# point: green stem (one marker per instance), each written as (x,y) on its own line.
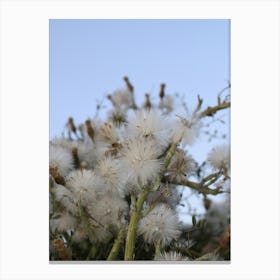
(136,214)
(117,243)
(92,253)
(131,232)
(157,250)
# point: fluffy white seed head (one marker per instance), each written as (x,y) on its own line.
(167,104)
(66,198)
(181,166)
(122,98)
(111,174)
(171,256)
(139,161)
(186,131)
(85,185)
(161,225)
(108,133)
(219,157)
(107,214)
(60,159)
(63,222)
(168,194)
(149,125)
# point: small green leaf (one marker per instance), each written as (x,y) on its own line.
(194,220)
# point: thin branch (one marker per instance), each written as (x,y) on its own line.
(202,186)
(116,247)
(210,111)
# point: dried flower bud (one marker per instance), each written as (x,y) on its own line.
(90,130)
(75,156)
(128,84)
(71,124)
(147,104)
(162,93)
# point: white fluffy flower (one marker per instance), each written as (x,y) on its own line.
(166,103)
(181,166)
(122,97)
(186,131)
(168,194)
(171,256)
(85,185)
(61,159)
(150,125)
(108,133)
(161,225)
(219,157)
(109,171)
(139,161)
(107,214)
(63,222)
(65,197)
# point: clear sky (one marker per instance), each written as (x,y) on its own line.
(88,58)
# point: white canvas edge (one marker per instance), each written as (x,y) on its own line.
(254,131)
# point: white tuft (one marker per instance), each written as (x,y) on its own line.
(167,104)
(84,185)
(66,199)
(219,157)
(181,166)
(186,131)
(61,159)
(171,256)
(149,125)
(63,222)
(161,225)
(107,216)
(139,161)
(109,171)
(122,98)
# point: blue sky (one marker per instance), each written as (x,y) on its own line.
(88,59)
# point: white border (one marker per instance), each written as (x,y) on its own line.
(255,137)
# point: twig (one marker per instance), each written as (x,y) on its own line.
(210,111)
(117,243)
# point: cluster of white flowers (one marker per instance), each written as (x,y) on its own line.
(99,171)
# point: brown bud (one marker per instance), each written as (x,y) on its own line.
(57,177)
(162,93)
(71,124)
(75,156)
(128,84)
(90,130)
(148,104)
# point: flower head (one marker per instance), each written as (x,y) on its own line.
(107,215)
(166,104)
(161,225)
(110,173)
(63,222)
(149,125)
(171,256)
(186,130)
(84,185)
(121,98)
(140,162)
(181,166)
(219,157)
(60,159)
